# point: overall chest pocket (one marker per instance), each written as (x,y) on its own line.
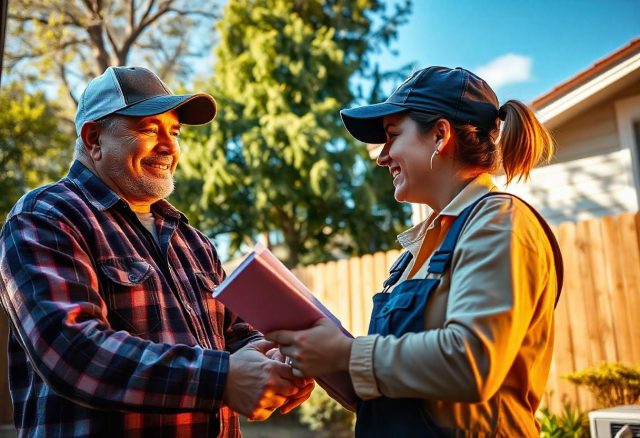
(404,309)
(130,288)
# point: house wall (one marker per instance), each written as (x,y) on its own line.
(582,188)
(591,175)
(591,132)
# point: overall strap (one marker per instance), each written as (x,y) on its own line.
(441,259)
(396,270)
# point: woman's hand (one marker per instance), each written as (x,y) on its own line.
(322,349)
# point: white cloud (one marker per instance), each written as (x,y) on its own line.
(506,69)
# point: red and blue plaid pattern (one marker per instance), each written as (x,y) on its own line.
(111,333)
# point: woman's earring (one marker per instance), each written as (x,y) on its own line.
(436,152)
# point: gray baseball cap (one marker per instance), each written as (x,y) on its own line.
(138,92)
(454,93)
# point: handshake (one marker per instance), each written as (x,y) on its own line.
(259,382)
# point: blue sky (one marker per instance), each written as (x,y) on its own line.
(523,48)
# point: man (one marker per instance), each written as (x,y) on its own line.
(108,289)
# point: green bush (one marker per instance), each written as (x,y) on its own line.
(321,412)
(571,423)
(612,384)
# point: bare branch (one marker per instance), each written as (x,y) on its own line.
(146,13)
(95,31)
(63,77)
(88,5)
(22,19)
(145,22)
(170,62)
(132,15)
(41,20)
(200,13)
(74,20)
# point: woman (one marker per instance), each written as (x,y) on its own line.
(461,337)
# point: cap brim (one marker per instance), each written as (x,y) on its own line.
(192,109)
(364,123)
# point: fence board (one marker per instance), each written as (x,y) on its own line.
(360,317)
(368,286)
(600,269)
(342,286)
(630,247)
(318,285)
(563,350)
(620,311)
(380,269)
(574,292)
(331,291)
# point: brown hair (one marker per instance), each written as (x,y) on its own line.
(524,141)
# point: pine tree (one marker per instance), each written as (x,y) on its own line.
(277,160)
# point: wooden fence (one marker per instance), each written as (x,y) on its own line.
(596,318)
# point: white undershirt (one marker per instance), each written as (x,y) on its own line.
(149,222)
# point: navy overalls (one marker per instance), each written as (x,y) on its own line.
(402,311)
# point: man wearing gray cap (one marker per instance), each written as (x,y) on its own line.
(108,288)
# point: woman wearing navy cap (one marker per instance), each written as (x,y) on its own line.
(461,337)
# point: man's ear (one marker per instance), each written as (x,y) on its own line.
(90,135)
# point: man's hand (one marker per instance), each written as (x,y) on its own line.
(322,349)
(305,385)
(257,385)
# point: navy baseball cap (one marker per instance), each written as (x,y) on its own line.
(455,94)
(138,92)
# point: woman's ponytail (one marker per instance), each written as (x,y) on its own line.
(524,141)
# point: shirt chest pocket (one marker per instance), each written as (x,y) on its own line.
(130,288)
(206,285)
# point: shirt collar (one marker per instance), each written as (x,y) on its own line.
(102,197)
(479,186)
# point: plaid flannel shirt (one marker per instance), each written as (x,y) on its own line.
(112,333)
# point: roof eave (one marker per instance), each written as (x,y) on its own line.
(557,110)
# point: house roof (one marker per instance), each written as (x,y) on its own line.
(590,73)
(602,80)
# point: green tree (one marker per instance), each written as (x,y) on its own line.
(277,160)
(33,150)
(66,42)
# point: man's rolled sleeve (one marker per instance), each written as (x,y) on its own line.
(212,380)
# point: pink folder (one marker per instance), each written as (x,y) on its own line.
(263,292)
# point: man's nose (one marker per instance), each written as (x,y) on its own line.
(168,142)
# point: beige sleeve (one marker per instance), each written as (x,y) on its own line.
(361,367)
(500,269)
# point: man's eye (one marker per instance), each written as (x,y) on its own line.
(149,131)
(176,134)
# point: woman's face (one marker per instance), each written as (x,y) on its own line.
(406,153)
